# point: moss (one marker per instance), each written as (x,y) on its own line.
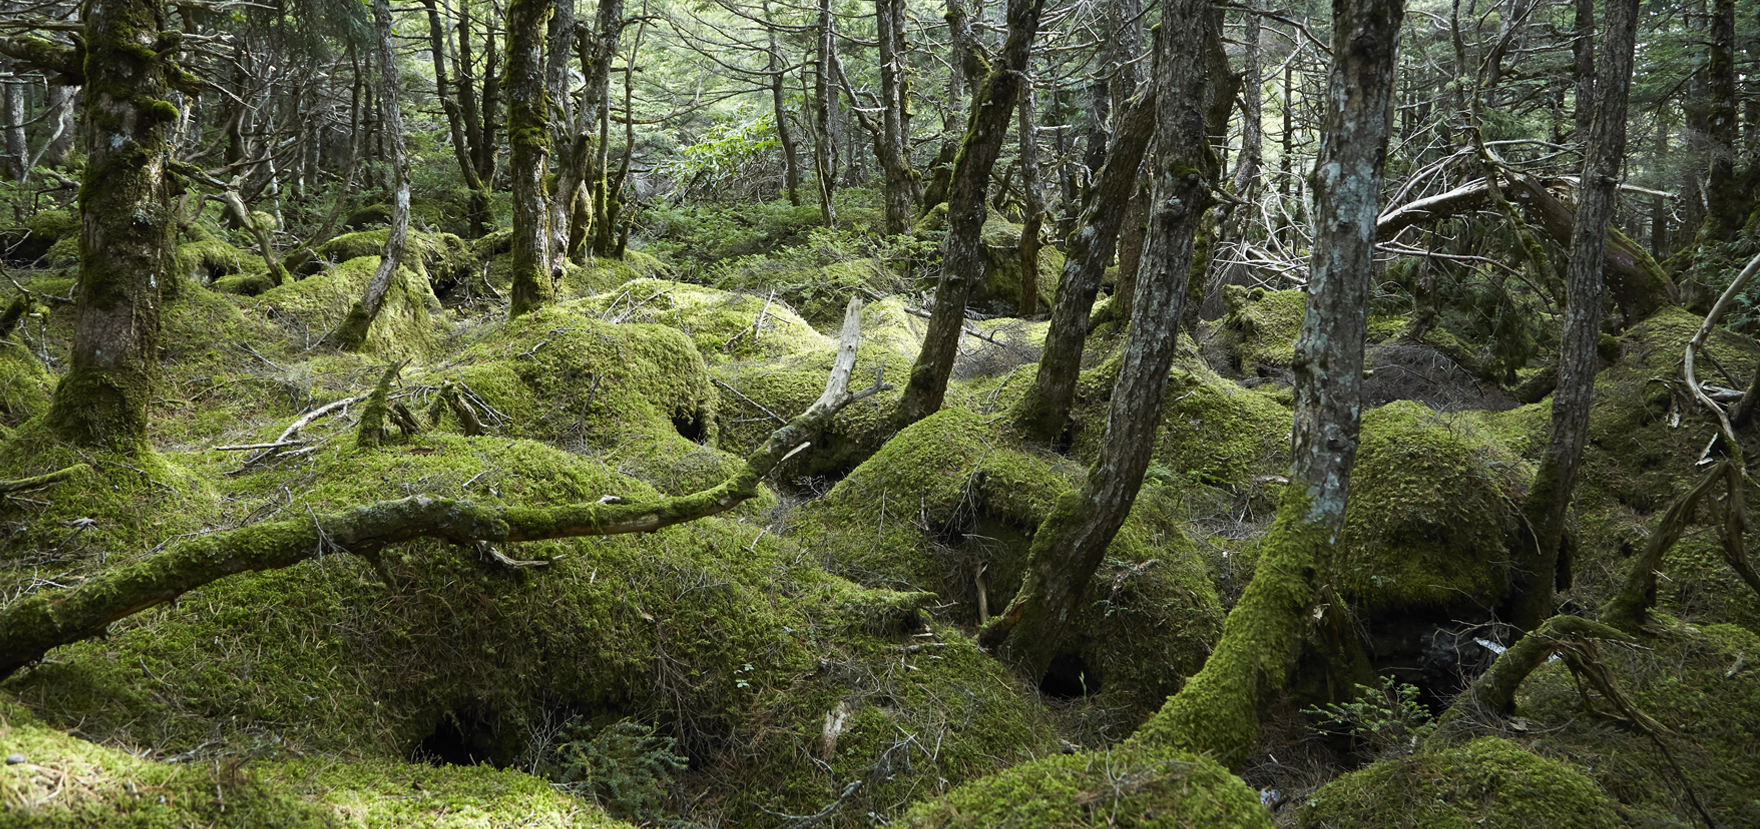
(949,495)
(67,782)
(1487,782)
(1000,292)
(1699,683)
(24,385)
(1259,328)
(724,326)
(1135,786)
(64,253)
(1430,516)
(441,259)
(204,262)
(372,214)
(390,795)
(314,306)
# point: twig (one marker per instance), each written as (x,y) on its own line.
(773,416)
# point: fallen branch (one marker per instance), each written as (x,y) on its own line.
(40,481)
(34,625)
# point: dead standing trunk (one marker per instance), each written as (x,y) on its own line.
(1218,710)
(16,162)
(353,331)
(1550,495)
(1042,412)
(528,133)
(127,226)
(1069,546)
(963,251)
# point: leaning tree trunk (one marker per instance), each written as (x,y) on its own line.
(127,226)
(352,334)
(1042,412)
(1218,711)
(1069,546)
(528,132)
(1550,496)
(963,251)
(784,133)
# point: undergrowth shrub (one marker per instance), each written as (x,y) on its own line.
(624,767)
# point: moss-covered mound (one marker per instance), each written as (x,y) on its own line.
(1430,517)
(1131,786)
(725,326)
(1487,782)
(1701,684)
(406,327)
(393,795)
(51,779)
(24,385)
(206,261)
(1000,292)
(578,279)
(443,259)
(816,283)
(1259,329)
(951,505)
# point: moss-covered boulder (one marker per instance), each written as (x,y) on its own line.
(1699,682)
(1259,329)
(365,217)
(398,795)
(1431,517)
(1000,291)
(725,326)
(24,246)
(1137,786)
(1487,782)
(578,279)
(444,260)
(950,505)
(407,325)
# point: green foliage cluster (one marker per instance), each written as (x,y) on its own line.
(1384,719)
(624,767)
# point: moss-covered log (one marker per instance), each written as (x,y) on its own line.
(32,626)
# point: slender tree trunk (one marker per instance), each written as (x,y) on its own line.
(1218,711)
(791,170)
(127,228)
(1728,207)
(529,134)
(1043,412)
(16,163)
(1033,186)
(1069,546)
(487,150)
(353,331)
(902,187)
(963,251)
(59,146)
(1550,495)
(824,101)
(455,121)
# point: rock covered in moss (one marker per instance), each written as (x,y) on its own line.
(206,261)
(1000,292)
(442,259)
(1134,785)
(406,327)
(1259,329)
(1430,516)
(1487,782)
(725,326)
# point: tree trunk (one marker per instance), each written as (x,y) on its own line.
(1550,495)
(352,333)
(529,134)
(963,252)
(1218,711)
(1043,412)
(901,190)
(824,101)
(450,96)
(1727,207)
(1033,186)
(15,164)
(791,170)
(127,227)
(59,145)
(1069,546)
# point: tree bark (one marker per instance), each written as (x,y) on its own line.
(1550,495)
(352,333)
(1033,186)
(963,251)
(15,164)
(529,134)
(1042,413)
(1069,546)
(791,170)
(450,97)
(127,227)
(1218,711)
(892,145)
(824,101)
(29,628)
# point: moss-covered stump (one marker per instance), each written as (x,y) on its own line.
(63,781)
(24,385)
(949,505)
(1000,292)
(406,327)
(1130,786)
(635,396)
(1697,681)
(725,326)
(1430,517)
(1487,782)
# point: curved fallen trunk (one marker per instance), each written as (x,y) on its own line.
(34,625)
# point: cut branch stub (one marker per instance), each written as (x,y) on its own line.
(30,627)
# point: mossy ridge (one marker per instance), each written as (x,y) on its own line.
(952,494)
(1429,517)
(725,326)
(67,782)
(632,394)
(1487,782)
(391,795)
(1132,786)
(1699,682)
(406,327)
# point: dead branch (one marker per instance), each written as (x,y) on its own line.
(32,626)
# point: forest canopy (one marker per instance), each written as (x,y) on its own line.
(782,414)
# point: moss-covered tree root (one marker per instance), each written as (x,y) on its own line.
(29,628)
